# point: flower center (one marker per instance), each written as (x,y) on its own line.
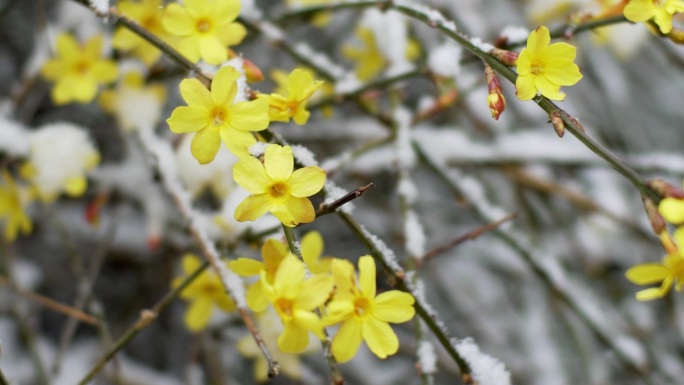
(361,306)
(278,189)
(218,116)
(203,25)
(536,68)
(284,307)
(209,289)
(82,67)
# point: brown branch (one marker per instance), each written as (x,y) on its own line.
(469,236)
(50,303)
(324,209)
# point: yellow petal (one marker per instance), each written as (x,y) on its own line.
(278,162)
(252,208)
(196,94)
(212,50)
(647,273)
(230,34)
(367,276)
(256,299)
(294,211)
(67,46)
(315,291)
(655,292)
(226,11)
(311,247)
(566,74)
(394,306)
(250,174)
(246,267)
(294,339)
(338,311)
(205,144)
(639,10)
(273,253)
(199,8)
(190,263)
(672,210)
(188,119)
(93,47)
(189,47)
(379,337)
(548,89)
(249,116)
(538,40)
(306,181)
(238,142)
(75,186)
(347,340)
(309,321)
(289,277)
(198,314)
(224,87)
(177,21)
(525,88)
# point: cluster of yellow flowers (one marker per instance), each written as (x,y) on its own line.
(308,296)
(670,271)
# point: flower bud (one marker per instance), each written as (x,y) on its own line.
(496,100)
(506,57)
(252,72)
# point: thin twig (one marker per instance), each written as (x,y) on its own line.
(134,27)
(332,207)
(50,303)
(146,318)
(336,377)
(469,236)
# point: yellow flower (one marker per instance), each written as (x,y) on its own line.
(669,271)
(12,203)
(672,210)
(206,28)
(365,316)
(275,188)
(273,253)
(203,293)
(545,68)
(270,329)
(369,60)
(311,246)
(294,299)
(214,117)
(147,13)
(660,11)
(299,87)
(78,70)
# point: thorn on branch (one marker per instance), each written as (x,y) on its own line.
(332,207)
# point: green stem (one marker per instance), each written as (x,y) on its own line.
(145,319)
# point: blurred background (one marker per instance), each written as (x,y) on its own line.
(544,293)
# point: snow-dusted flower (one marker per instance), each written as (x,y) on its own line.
(77,70)
(661,11)
(544,68)
(273,253)
(206,28)
(295,298)
(61,155)
(214,117)
(147,13)
(275,188)
(13,201)
(291,104)
(204,292)
(364,316)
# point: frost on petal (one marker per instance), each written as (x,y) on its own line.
(306,181)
